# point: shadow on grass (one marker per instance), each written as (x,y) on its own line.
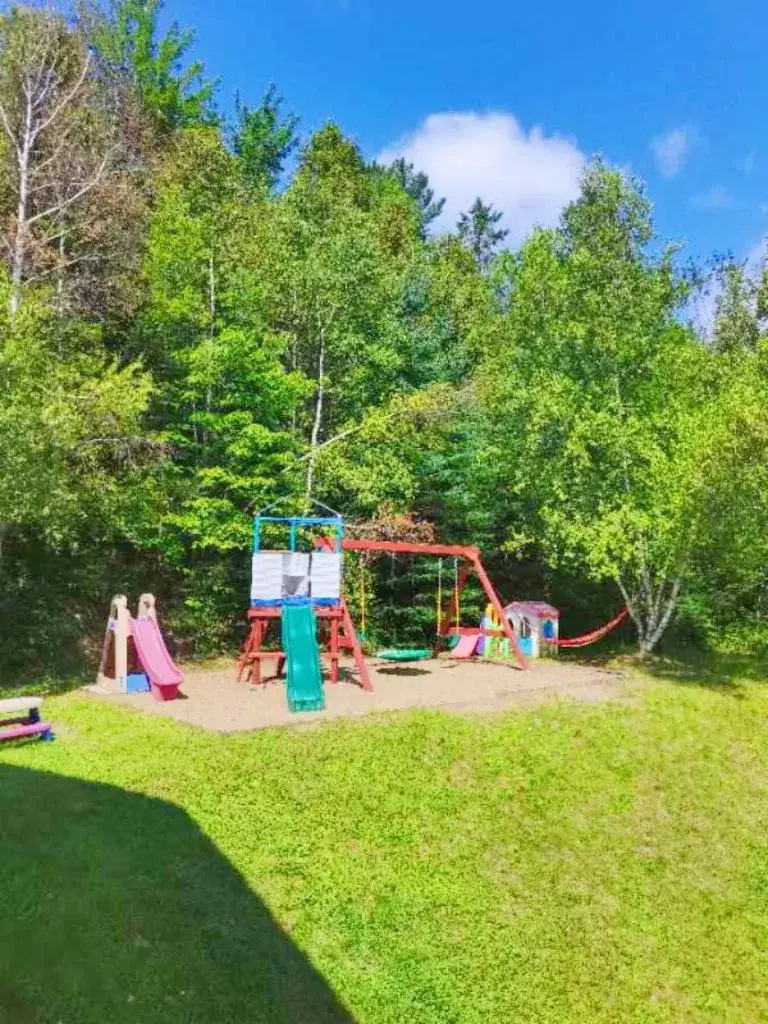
(115,907)
(723,673)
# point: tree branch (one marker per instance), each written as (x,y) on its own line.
(9,130)
(67,99)
(66,203)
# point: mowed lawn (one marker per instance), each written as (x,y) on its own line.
(569,864)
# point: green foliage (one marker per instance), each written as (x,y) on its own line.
(415,183)
(71,425)
(223,396)
(263,140)
(212,325)
(127,40)
(624,426)
(478,230)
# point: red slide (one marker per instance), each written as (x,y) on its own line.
(155,660)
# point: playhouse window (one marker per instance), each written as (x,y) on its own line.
(525,627)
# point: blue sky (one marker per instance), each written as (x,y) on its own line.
(506,99)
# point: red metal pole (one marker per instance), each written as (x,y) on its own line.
(493,597)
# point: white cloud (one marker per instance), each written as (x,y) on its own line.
(703,308)
(756,256)
(528,176)
(672,149)
(715,198)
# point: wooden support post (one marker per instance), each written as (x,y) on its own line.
(357,651)
(334,644)
(254,674)
(493,597)
(249,665)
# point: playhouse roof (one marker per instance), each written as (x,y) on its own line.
(536,609)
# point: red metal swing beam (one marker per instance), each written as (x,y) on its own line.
(470,554)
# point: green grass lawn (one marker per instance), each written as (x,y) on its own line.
(572,864)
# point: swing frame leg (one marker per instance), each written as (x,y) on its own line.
(350,634)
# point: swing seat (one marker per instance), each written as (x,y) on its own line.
(404,654)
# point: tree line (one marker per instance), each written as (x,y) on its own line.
(201,314)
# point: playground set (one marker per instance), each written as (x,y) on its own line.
(134,657)
(302,590)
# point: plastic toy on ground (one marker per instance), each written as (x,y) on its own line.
(139,640)
(302,655)
(404,654)
(466,647)
(24,721)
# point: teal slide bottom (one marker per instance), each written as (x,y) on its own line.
(302,654)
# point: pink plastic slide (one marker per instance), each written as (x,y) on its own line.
(155,660)
(466,646)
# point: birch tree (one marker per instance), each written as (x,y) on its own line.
(337,248)
(59,146)
(602,406)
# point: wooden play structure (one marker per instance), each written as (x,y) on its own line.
(134,657)
(20,719)
(469,561)
(301,589)
(291,578)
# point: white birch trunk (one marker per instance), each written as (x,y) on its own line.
(313,444)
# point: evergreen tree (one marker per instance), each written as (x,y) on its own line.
(263,140)
(478,230)
(416,185)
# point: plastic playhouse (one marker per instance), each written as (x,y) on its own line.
(535,623)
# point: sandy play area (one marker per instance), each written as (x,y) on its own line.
(213,699)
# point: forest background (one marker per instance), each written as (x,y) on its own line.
(203,314)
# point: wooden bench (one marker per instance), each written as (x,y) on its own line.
(24,721)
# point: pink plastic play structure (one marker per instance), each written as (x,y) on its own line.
(466,646)
(151,653)
(164,676)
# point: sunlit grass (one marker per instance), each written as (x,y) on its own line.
(571,864)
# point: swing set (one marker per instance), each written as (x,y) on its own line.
(448,632)
(467,561)
(415,653)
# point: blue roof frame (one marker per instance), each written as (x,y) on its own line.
(294,524)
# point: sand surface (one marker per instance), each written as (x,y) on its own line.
(213,699)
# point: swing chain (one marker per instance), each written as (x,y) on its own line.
(439,596)
(361,565)
(456,594)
